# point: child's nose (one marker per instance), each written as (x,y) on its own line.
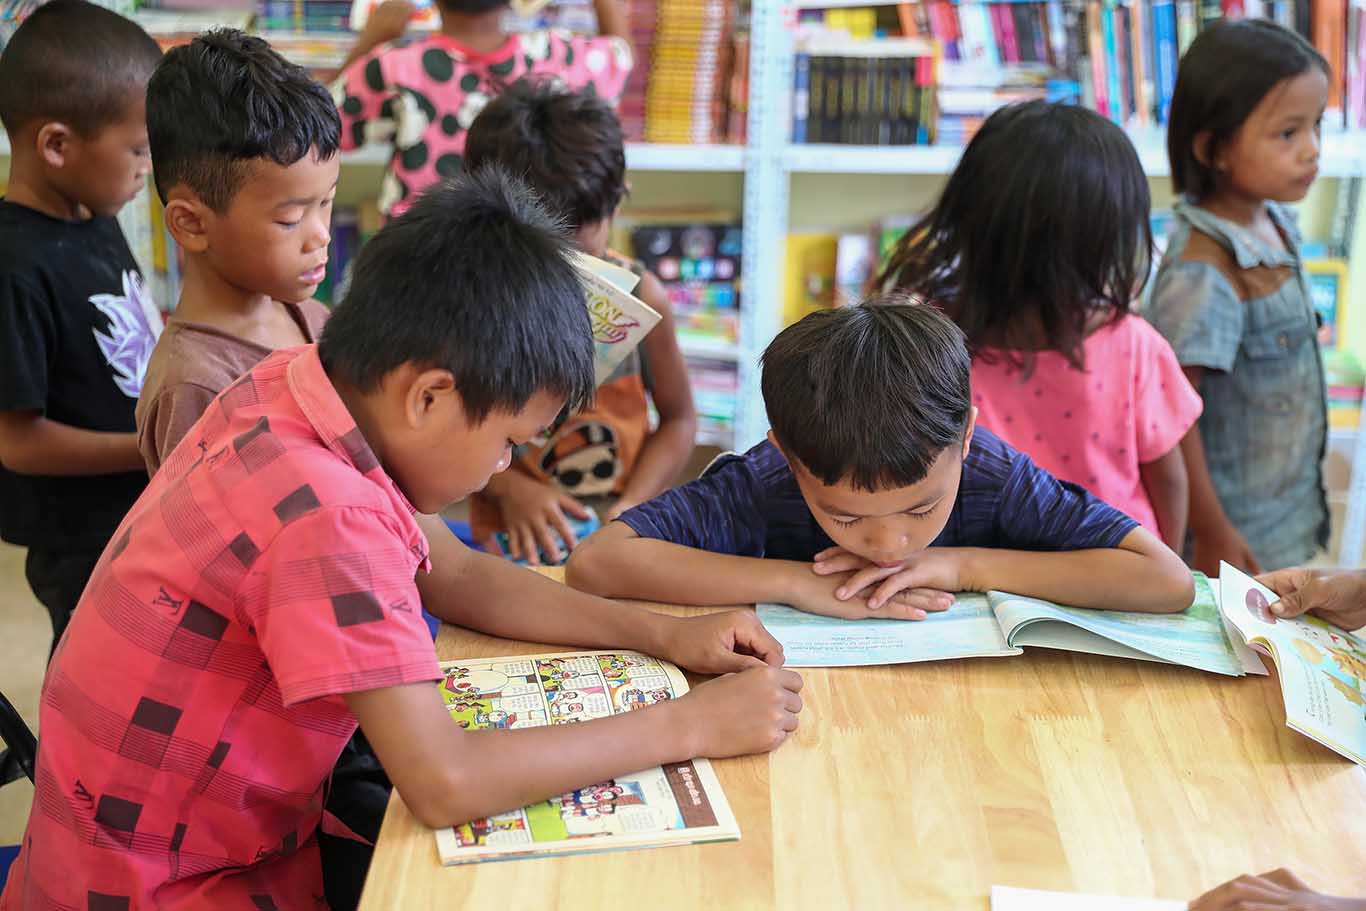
(321,235)
(886,542)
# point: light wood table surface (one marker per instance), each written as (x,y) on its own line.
(920,786)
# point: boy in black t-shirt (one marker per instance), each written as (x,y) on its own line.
(76,324)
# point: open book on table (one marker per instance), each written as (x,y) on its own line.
(620,320)
(681,803)
(1001,624)
(1322,668)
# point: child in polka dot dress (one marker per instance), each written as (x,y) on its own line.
(422,97)
(1038,265)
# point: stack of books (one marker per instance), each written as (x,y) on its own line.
(689,72)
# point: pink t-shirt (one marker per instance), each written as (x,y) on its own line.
(421,98)
(1132,405)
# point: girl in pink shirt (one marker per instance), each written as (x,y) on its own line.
(420,98)
(1036,248)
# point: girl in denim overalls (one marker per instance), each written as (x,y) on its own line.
(1232,297)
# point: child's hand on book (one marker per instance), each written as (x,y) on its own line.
(739,714)
(533,512)
(721,643)
(1336,595)
(1277,889)
(926,581)
(816,586)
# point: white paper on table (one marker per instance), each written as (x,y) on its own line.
(1007,898)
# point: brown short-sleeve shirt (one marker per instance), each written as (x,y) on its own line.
(190,365)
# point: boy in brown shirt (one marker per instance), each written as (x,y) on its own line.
(244,149)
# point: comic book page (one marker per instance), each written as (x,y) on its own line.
(620,321)
(1322,668)
(681,803)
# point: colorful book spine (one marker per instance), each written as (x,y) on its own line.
(1140,24)
(1187,24)
(1165,56)
(801,96)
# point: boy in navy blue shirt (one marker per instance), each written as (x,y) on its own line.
(876,496)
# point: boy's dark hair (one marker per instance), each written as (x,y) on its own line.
(567,145)
(471,7)
(1228,69)
(75,63)
(1013,244)
(870,394)
(224,99)
(473,279)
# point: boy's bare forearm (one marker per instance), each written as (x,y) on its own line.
(449,776)
(33,444)
(662,457)
(486,593)
(615,563)
(1141,574)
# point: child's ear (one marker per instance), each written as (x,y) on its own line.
(430,393)
(188,219)
(1200,147)
(54,143)
(972,425)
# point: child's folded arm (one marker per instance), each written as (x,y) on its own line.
(33,444)
(617,563)
(1138,574)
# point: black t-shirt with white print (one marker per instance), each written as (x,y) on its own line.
(76,329)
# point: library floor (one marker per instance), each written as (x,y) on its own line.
(25,635)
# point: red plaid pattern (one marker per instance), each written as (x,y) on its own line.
(193,711)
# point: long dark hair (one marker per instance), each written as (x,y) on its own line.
(1046,216)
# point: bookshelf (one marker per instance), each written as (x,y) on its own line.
(1341,156)
(768,161)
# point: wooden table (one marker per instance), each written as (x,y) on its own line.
(921,786)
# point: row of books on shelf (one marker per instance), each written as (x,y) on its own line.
(689,85)
(923,71)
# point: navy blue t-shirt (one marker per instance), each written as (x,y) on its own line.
(750,506)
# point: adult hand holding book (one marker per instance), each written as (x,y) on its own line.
(1336,595)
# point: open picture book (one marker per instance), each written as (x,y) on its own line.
(681,803)
(999,624)
(1322,668)
(620,320)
